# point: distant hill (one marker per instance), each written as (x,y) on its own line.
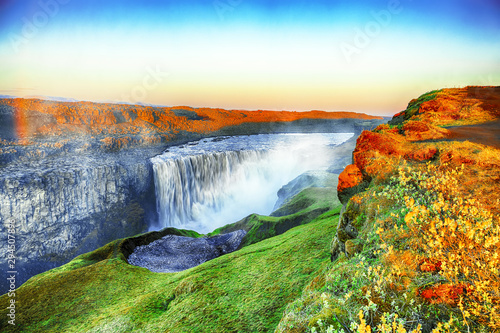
(34,119)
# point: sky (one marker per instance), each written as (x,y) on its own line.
(365,56)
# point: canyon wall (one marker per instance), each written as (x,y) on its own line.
(67,206)
(76,175)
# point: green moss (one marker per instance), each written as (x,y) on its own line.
(304,207)
(413,107)
(245,291)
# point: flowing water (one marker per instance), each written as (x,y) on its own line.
(206,184)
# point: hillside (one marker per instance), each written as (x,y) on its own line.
(413,249)
(244,291)
(417,243)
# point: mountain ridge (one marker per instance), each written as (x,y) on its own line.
(35,117)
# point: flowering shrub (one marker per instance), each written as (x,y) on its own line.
(426,259)
(454,235)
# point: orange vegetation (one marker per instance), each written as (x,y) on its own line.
(465,106)
(419,138)
(429,265)
(350,177)
(443,293)
(41,117)
(444,212)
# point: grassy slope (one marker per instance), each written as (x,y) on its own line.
(301,209)
(246,290)
(377,280)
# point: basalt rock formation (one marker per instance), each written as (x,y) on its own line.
(65,207)
(173,253)
(76,175)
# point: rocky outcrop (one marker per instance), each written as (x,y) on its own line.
(416,135)
(173,253)
(350,182)
(346,233)
(67,206)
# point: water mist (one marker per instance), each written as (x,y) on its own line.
(206,184)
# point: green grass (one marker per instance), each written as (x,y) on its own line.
(245,291)
(413,107)
(301,209)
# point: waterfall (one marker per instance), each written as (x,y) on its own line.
(187,186)
(209,183)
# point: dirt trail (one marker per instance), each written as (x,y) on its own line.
(487,133)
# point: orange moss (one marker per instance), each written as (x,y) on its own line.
(421,154)
(350,177)
(368,142)
(379,150)
(465,106)
(419,130)
(443,294)
(430,265)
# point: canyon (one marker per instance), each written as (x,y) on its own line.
(351,253)
(77,175)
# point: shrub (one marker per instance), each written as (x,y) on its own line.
(454,235)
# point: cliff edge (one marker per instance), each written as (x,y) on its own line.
(417,242)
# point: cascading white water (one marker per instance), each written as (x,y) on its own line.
(213,182)
(189,185)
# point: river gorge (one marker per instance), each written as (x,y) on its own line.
(66,205)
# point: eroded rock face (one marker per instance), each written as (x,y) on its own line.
(346,231)
(412,135)
(174,253)
(314,178)
(64,207)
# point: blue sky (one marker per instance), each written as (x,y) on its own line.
(368,56)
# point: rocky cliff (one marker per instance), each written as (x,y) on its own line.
(64,207)
(76,175)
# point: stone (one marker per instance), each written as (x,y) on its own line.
(174,253)
(69,205)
